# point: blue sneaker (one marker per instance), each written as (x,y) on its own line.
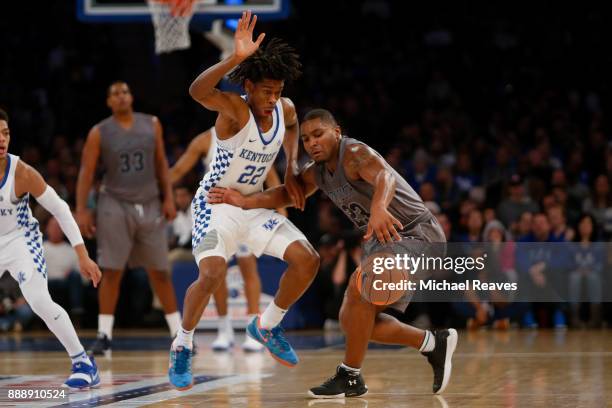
(179,371)
(529,321)
(83,375)
(275,341)
(559,320)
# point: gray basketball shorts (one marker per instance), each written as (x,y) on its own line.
(131,234)
(424,239)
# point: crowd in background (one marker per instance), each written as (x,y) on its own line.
(497,120)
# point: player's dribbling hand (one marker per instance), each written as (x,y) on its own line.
(86,224)
(169,209)
(244,46)
(383,224)
(90,270)
(296,193)
(221,195)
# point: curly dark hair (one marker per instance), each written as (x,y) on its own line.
(278,60)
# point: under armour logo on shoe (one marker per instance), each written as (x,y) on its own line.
(352,382)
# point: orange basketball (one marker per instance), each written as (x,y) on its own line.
(380,281)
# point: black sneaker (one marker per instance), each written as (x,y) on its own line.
(440,358)
(343,384)
(101,347)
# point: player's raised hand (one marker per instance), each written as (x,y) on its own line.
(244,46)
(86,223)
(220,195)
(383,224)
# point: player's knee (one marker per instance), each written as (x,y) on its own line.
(307,259)
(213,271)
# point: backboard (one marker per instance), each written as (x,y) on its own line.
(128,11)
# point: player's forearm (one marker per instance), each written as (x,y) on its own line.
(81,251)
(384,190)
(57,207)
(204,84)
(276,197)
(84,183)
(178,171)
(290,145)
(163,178)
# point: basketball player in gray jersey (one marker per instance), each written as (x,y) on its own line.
(130,226)
(392,216)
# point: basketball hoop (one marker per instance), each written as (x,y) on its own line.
(171,23)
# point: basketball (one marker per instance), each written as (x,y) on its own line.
(380,280)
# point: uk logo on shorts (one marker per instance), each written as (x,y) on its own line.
(270,224)
(21,276)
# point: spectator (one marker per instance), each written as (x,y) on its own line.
(588,259)
(14,311)
(420,171)
(541,266)
(445,224)
(517,203)
(339,258)
(523,227)
(599,204)
(474,227)
(560,231)
(498,307)
(180,239)
(448,193)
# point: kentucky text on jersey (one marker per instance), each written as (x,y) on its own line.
(257,157)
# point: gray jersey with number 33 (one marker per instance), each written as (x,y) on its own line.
(128,159)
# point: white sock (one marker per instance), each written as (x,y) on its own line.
(351,370)
(105,325)
(429,342)
(272,316)
(225,324)
(82,357)
(184,338)
(174,322)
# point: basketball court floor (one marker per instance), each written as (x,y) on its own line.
(491,369)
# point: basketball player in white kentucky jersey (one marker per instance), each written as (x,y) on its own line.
(203,147)
(21,252)
(250,131)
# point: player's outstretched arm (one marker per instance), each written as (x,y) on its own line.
(360,162)
(276,197)
(28,180)
(89,162)
(203,89)
(197,148)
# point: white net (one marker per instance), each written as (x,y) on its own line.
(171,28)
